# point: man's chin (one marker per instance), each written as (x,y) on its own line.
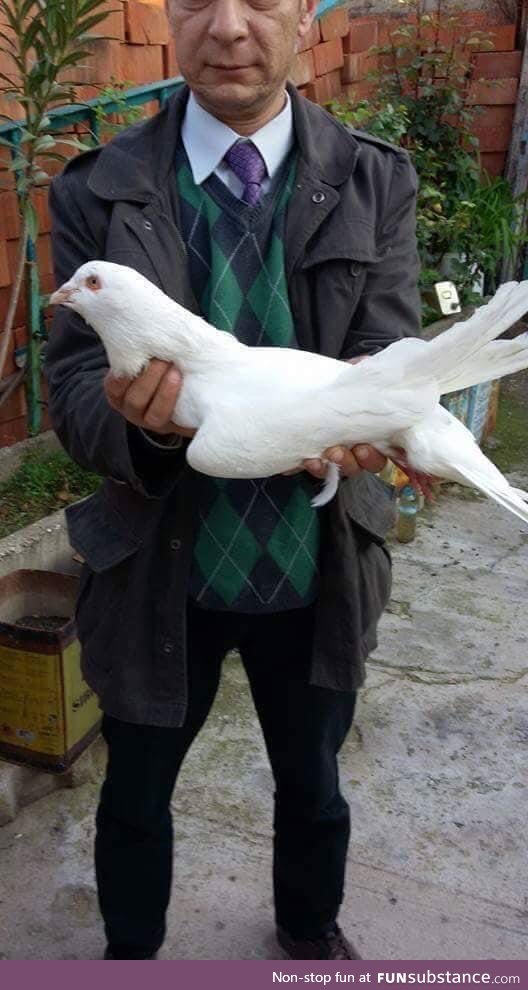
(230,95)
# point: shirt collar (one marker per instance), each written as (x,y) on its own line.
(206,139)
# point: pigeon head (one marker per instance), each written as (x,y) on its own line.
(101,289)
(118,302)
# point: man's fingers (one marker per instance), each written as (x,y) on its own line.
(360,458)
(369,458)
(142,390)
(161,408)
(315,467)
(115,388)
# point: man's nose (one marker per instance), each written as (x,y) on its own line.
(228,21)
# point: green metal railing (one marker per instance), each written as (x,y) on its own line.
(62,119)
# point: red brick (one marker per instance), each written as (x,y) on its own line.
(303,69)
(15,406)
(493,162)
(44,256)
(497,65)
(493,128)
(11,109)
(103,62)
(355,92)
(334,24)
(7,179)
(325,88)
(145,24)
(8,67)
(5,276)
(311,39)
(357,67)
(10,365)
(142,63)
(502,37)
(492,92)
(47,284)
(13,432)
(170,62)
(362,35)
(328,56)
(9,216)
(113,25)
(20,312)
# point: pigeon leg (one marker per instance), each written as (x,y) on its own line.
(421,482)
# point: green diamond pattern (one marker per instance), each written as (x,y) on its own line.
(224,296)
(195,195)
(268,298)
(257,544)
(294,542)
(225,550)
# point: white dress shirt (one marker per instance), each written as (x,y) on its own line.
(207,139)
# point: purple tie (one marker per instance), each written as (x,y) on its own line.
(245,160)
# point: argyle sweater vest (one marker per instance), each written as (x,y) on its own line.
(257,543)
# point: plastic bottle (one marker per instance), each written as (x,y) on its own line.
(407,513)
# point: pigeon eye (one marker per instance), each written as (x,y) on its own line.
(92,282)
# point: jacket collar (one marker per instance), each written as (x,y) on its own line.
(135,165)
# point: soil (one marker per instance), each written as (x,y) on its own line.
(48,623)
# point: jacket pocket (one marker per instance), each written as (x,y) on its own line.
(370,504)
(99,533)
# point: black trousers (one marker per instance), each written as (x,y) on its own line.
(303,726)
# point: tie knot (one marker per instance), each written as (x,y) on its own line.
(245,160)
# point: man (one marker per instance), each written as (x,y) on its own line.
(301,237)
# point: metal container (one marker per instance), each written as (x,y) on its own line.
(48,713)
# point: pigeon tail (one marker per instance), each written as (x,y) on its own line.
(330,486)
(464,355)
(510,498)
(501,357)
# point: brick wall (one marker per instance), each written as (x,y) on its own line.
(334,61)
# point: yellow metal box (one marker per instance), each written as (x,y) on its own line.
(48,714)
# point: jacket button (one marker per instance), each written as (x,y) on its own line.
(175,544)
(168,646)
(318,197)
(355,268)
(147,225)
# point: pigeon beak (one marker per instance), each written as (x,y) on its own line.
(62,295)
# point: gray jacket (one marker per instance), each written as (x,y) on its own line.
(352,270)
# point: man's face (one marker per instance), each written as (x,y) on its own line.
(236,54)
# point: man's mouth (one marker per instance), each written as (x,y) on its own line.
(230,68)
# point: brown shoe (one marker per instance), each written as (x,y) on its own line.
(331,946)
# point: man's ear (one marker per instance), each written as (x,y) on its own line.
(307,14)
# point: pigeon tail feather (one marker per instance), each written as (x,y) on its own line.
(510,498)
(452,358)
(501,357)
(329,488)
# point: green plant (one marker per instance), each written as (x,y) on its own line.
(40,485)
(124,116)
(42,41)
(422,101)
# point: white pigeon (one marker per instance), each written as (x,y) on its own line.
(260,411)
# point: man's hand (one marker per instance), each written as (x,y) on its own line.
(351,462)
(148,400)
